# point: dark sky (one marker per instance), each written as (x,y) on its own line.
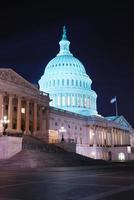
(101,36)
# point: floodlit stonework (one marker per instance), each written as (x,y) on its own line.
(23,105)
(73,115)
(9,146)
(94,136)
(69,118)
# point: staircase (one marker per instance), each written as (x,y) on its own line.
(36,153)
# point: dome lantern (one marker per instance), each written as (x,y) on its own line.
(64,44)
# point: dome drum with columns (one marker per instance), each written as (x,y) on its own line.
(67,82)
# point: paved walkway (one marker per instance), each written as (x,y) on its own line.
(73,183)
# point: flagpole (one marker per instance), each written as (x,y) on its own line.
(116,107)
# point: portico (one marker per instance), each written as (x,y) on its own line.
(23,104)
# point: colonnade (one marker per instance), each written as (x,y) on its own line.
(28,109)
(76,100)
(103,136)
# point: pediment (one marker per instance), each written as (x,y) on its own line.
(9,75)
(122,122)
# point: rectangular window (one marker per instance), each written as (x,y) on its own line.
(67,82)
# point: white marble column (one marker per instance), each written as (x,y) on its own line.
(10,112)
(1,112)
(47,125)
(27,117)
(35,117)
(1,106)
(41,120)
(94,137)
(112,137)
(19,115)
(123,137)
(102,134)
(89,141)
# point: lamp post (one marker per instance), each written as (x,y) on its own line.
(4,121)
(62,130)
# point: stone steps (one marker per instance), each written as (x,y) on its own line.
(36,153)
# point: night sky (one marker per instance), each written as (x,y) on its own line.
(101,36)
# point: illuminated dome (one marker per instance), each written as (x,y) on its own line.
(67,83)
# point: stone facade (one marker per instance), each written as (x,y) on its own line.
(94,136)
(9,146)
(28,112)
(23,105)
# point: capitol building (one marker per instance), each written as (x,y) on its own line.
(63,110)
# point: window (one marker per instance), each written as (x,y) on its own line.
(56,124)
(53,82)
(121,156)
(23,110)
(67,82)
(62,81)
(15,109)
(58,82)
(72,82)
(83,84)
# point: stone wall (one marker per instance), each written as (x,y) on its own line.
(9,146)
(70,147)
